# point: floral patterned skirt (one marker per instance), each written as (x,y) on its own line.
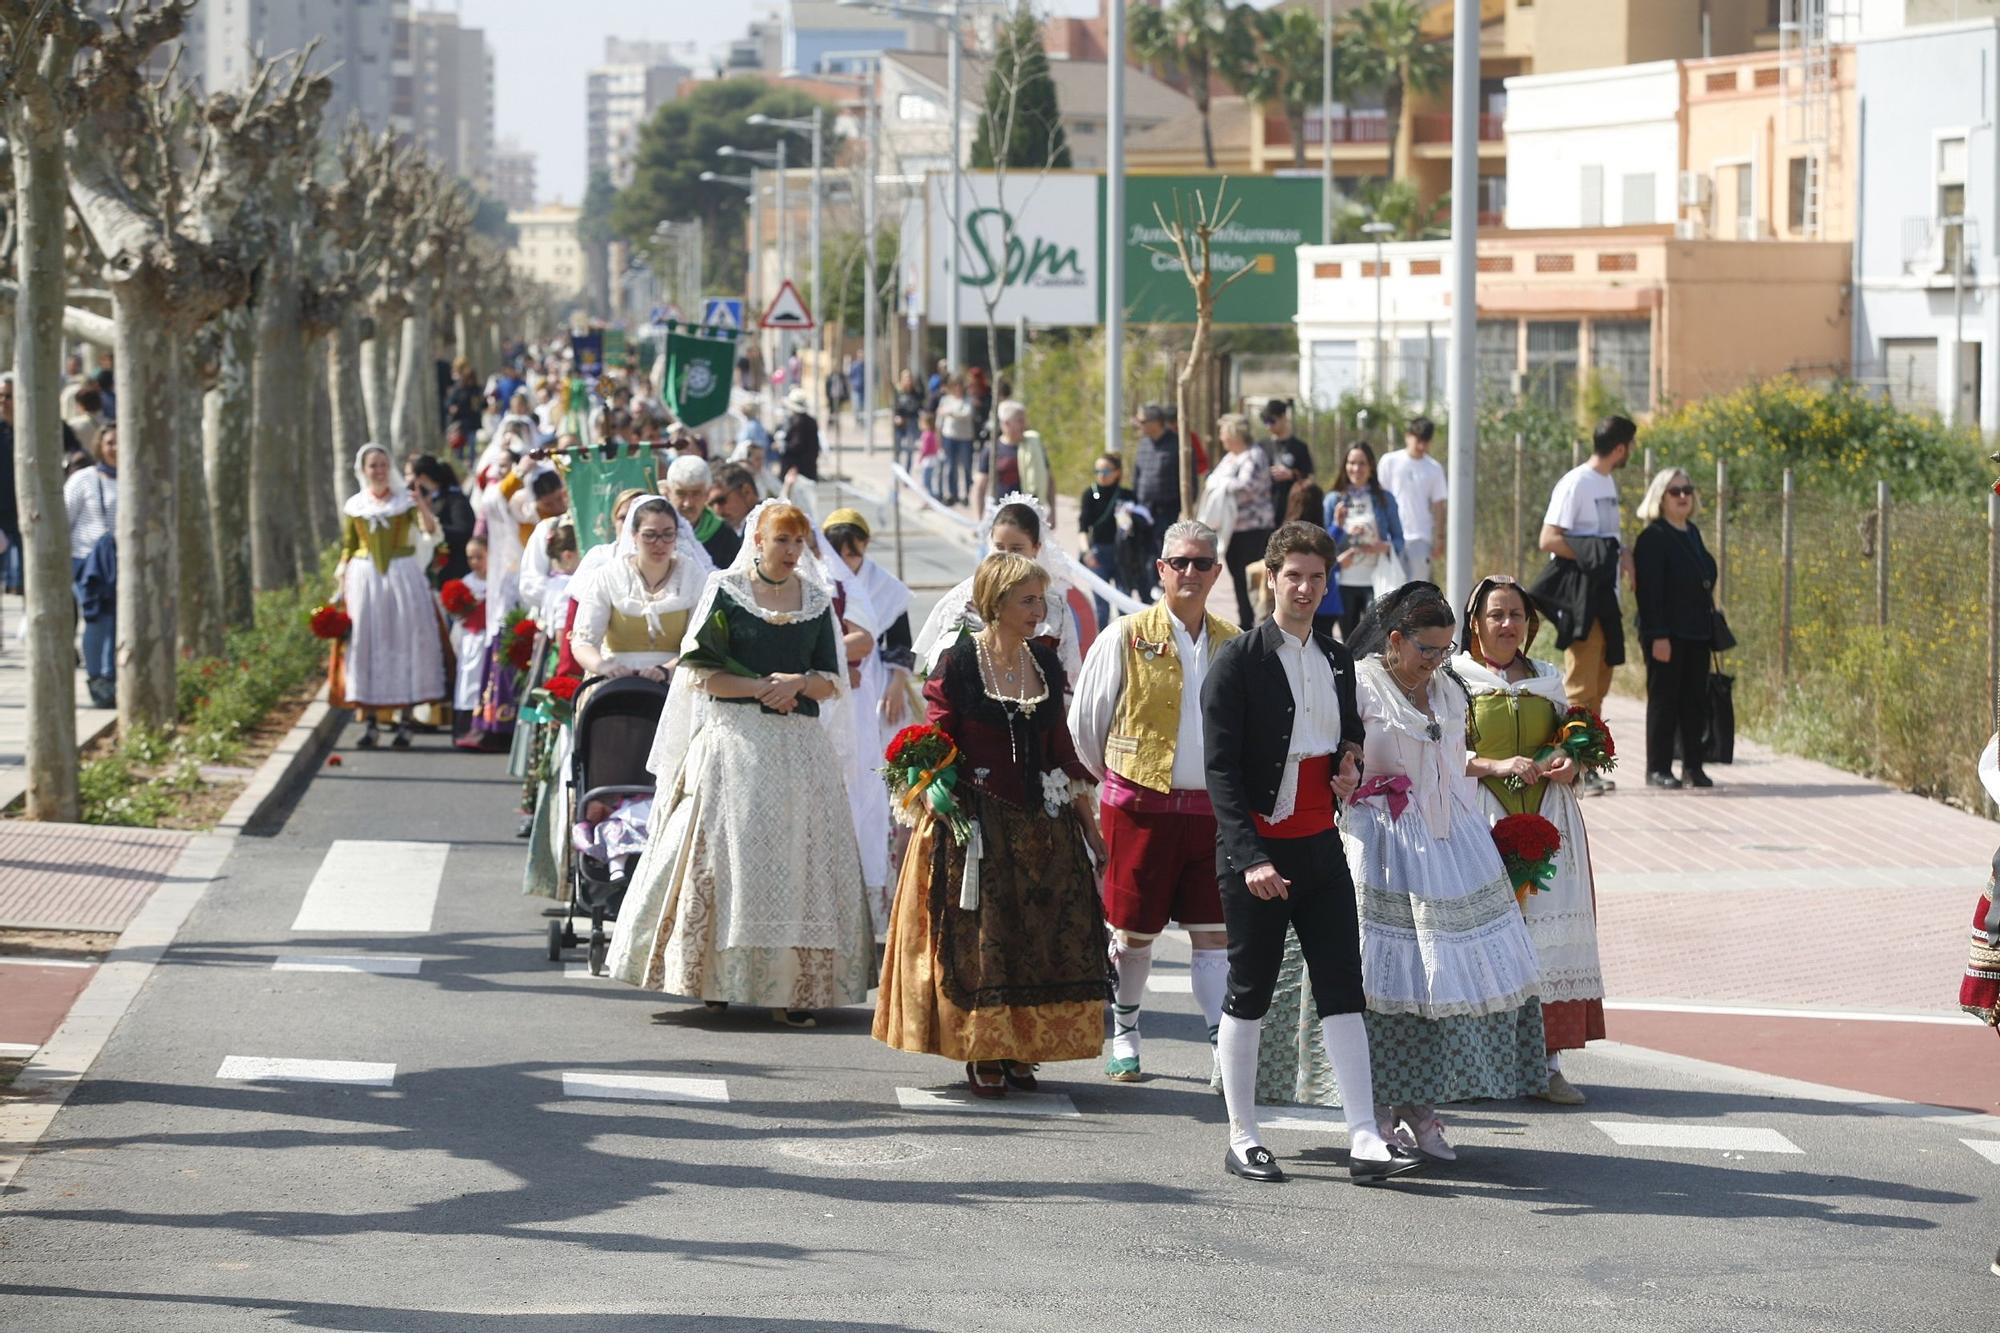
(1024,976)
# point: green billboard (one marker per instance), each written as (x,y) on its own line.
(1274,216)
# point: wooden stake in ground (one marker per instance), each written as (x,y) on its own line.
(1192,230)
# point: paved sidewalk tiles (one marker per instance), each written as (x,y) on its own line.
(80,876)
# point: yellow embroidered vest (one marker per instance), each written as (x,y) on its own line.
(1511,726)
(385,544)
(1145,726)
(629,633)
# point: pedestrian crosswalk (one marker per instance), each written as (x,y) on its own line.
(1716,1138)
(643,1087)
(375,888)
(280,1069)
(395,965)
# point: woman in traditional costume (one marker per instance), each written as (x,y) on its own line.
(395,651)
(632,611)
(996,951)
(1517,708)
(750,890)
(1018,527)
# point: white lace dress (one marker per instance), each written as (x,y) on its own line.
(750,886)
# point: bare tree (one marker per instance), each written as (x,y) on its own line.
(1192,230)
(41,42)
(446,220)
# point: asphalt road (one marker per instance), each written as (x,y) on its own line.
(476,1189)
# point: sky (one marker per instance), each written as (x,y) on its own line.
(541,55)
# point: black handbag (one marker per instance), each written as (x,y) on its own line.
(1719,638)
(1719,745)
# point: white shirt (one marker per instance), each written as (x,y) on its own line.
(1417,484)
(1585,504)
(91,498)
(1315,698)
(1101,683)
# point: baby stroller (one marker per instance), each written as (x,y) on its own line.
(611,737)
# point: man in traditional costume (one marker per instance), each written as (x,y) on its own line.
(1136,721)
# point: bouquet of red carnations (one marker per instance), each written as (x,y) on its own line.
(1528,845)
(458,597)
(520,640)
(922,770)
(330,622)
(1582,735)
(554,700)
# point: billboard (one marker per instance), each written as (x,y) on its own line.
(1031,240)
(1274,216)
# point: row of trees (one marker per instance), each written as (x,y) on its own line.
(1276,58)
(273,304)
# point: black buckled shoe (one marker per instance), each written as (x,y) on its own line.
(1259,1165)
(1399,1162)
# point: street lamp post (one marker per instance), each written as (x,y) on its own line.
(1378,230)
(948,15)
(748,184)
(1114,228)
(1326,124)
(775,160)
(813,129)
(872,364)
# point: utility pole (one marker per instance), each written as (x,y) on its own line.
(1464,457)
(1114,226)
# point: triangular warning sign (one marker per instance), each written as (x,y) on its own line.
(787,310)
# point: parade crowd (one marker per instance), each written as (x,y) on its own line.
(1355,791)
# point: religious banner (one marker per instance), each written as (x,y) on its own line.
(587,349)
(697,387)
(594,484)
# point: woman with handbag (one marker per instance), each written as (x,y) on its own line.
(1362,518)
(1674,580)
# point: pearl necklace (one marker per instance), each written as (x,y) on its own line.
(991,678)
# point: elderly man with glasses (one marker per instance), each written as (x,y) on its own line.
(1136,721)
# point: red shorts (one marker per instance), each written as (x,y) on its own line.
(1159,868)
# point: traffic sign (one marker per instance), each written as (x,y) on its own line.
(722,312)
(787,311)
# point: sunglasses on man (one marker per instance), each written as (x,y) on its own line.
(1181,564)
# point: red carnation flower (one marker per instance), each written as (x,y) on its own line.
(1526,838)
(907,736)
(524,629)
(563,687)
(457,597)
(521,653)
(330,622)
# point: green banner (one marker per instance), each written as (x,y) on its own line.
(1274,216)
(614,350)
(594,483)
(698,371)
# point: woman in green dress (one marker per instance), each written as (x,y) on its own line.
(750,889)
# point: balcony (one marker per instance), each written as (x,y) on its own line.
(1365,128)
(1436,128)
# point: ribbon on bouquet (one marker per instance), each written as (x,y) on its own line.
(1393,788)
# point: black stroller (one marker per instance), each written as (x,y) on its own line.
(610,738)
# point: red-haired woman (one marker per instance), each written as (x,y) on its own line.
(750,888)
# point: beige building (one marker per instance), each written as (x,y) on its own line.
(546,248)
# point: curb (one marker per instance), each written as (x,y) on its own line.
(46,1081)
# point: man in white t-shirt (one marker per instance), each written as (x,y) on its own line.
(1418,482)
(1584,506)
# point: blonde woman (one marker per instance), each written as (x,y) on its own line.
(1674,584)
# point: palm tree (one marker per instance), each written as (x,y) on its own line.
(1290,70)
(1397,203)
(1196,40)
(1384,47)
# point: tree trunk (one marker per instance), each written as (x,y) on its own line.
(377,379)
(1184,383)
(413,417)
(314,444)
(148,564)
(200,586)
(36,143)
(1392,110)
(225,434)
(279,392)
(1297,116)
(349,412)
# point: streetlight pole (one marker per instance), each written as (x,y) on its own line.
(1326,124)
(1378,230)
(1114,226)
(1463,462)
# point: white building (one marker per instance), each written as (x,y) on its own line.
(621,95)
(546,248)
(1927,253)
(1594,147)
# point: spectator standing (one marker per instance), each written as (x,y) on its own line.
(1291,458)
(909,406)
(1673,580)
(1366,525)
(1418,482)
(799,455)
(836,397)
(1015,461)
(10,514)
(107,394)
(1245,472)
(1156,480)
(84,420)
(1577,591)
(956,429)
(90,498)
(436,483)
(857,389)
(1097,519)
(463,406)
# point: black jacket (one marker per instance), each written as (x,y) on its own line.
(457,522)
(1156,477)
(800,447)
(1575,594)
(1246,725)
(1097,512)
(1674,581)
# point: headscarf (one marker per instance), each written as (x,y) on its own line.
(377,513)
(684,581)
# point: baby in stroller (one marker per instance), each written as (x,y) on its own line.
(614,832)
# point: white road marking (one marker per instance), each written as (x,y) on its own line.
(374,888)
(1309,1119)
(1987,1148)
(47,962)
(958,1099)
(266,1069)
(1171,984)
(1720,1138)
(643,1087)
(1829,1015)
(380,964)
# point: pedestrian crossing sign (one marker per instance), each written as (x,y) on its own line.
(722,312)
(787,310)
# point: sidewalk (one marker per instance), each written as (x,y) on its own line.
(90,722)
(1795,920)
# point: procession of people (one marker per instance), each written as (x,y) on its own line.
(993,821)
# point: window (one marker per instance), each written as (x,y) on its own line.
(1552,360)
(1590,207)
(1621,352)
(1639,195)
(1798,179)
(1336,369)
(915,106)
(1493,354)
(1746,218)
(1911,367)
(1951,201)
(1419,369)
